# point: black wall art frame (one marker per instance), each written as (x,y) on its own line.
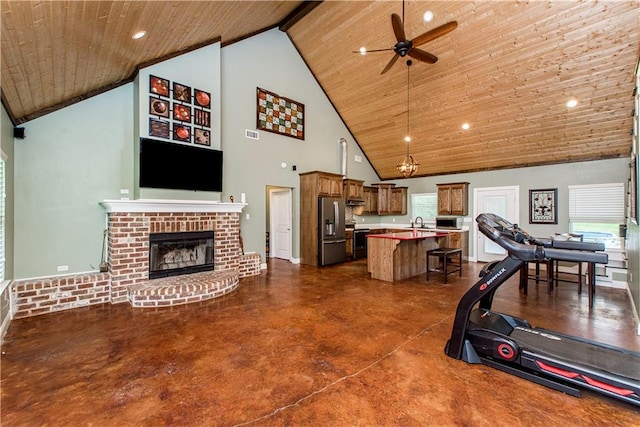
(543,206)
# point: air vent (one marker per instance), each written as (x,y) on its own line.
(251,134)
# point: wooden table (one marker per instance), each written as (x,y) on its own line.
(396,256)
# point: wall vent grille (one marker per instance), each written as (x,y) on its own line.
(251,134)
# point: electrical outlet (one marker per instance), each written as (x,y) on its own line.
(63,268)
(247,216)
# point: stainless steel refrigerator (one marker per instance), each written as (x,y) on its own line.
(331,235)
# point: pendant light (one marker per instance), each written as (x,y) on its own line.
(408,166)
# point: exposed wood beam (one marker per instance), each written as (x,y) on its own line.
(299,13)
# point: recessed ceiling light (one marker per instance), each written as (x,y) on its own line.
(466,126)
(572,103)
(363,50)
(427,16)
(139,35)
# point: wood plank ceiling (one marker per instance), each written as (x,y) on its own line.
(507,70)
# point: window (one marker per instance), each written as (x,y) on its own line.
(596,211)
(424,205)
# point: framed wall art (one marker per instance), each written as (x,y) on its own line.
(179,112)
(543,207)
(280,115)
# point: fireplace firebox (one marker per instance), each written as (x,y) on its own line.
(172,254)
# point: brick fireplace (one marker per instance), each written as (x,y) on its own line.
(130,224)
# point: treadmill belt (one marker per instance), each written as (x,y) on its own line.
(575,351)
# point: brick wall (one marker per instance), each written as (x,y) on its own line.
(128,261)
(249,265)
(42,296)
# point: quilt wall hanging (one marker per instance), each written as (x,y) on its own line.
(280,115)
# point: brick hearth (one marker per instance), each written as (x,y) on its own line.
(129,224)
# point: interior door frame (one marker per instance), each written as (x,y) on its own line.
(272,215)
(476,211)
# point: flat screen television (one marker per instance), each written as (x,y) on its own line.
(179,167)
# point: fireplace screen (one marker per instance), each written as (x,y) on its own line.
(172,254)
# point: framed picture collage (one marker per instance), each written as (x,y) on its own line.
(179,112)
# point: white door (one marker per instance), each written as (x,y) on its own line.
(280,239)
(502,201)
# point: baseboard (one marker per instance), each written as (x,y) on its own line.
(295,260)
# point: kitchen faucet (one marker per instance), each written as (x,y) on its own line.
(421,221)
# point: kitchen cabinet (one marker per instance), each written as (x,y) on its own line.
(348,234)
(399,200)
(329,184)
(459,240)
(313,185)
(370,196)
(453,199)
(392,200)
(353,190)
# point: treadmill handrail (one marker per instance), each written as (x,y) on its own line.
(535,252)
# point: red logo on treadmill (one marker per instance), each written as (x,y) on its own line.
(483,286)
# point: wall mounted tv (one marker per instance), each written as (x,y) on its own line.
(179,167)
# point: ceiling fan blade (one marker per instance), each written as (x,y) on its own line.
(398,27)
(390,64)
(423,56)
(435,33)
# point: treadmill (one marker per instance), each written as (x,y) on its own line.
(559,361)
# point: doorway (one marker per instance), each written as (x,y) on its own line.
(280,239)
(502,201)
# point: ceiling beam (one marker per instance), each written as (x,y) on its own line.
(297,14)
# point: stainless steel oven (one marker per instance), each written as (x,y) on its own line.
(360,243)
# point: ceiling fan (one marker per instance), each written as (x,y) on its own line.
(405,47)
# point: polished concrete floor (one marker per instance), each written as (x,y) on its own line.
(299,346)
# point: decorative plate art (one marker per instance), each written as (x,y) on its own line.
(179,112)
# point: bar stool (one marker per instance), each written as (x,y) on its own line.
(525,276)
(446,257)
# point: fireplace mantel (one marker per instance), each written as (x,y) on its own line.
(161,205)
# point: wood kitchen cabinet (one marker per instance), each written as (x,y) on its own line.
(399,201)
(348,234)
(329,184)
(370,196)
(353,190)
(453,199)
(312,185)
(392,200)
(459,240)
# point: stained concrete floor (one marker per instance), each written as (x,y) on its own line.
(299,346)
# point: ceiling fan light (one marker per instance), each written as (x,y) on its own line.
(572,103)
(466,126)
(427,16)
(363,50)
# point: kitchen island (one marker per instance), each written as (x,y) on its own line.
(396,256)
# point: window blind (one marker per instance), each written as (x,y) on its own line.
(597,203)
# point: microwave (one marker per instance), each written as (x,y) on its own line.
(449,222)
